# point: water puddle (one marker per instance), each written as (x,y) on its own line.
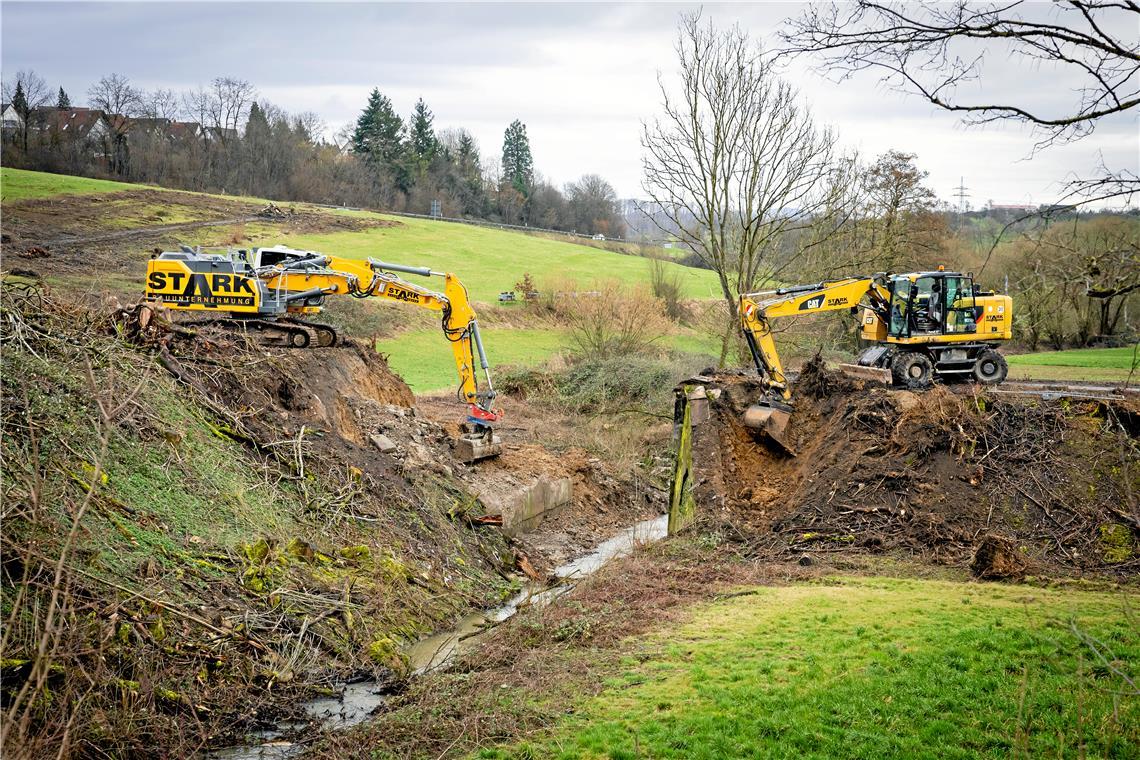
(359,700)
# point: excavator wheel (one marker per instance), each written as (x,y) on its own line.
(990,367)
(298,337)
(912,370)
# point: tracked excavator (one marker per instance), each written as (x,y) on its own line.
(920,327)
(268,291)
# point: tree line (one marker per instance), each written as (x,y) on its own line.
(224,138)
(737,168)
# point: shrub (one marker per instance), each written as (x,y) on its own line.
(665,284)
(611,321)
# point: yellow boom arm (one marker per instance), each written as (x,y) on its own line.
(375,279)
(758,309)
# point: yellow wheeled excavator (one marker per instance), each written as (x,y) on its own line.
(921,326)
(267,291)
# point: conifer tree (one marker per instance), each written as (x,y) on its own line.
(422,140)
(518,165)
(63,102)
(20,100)
(379,138)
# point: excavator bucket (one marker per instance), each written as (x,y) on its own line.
(772,421)
(475,443)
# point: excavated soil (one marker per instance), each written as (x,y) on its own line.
(1012,485)
(606,498)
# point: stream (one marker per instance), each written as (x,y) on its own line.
(358,700)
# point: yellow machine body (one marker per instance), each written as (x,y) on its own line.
(922,325)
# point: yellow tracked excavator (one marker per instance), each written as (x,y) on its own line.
(267,291)
(921,326)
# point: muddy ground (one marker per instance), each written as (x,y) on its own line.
(935,475)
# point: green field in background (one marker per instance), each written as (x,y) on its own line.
(20,184)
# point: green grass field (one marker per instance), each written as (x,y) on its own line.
(20,184)
(490,261)
(1107,365)
(1111,358)
(424,360)
(870,668)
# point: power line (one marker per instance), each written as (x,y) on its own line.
(961,194)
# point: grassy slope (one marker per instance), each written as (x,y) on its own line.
(490,261)
(1092,364)
(20,184)
(868,668)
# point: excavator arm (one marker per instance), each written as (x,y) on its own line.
(319,274)
(757,310)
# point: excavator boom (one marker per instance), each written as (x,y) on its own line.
(770,416)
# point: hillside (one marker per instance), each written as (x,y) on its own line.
(65,229)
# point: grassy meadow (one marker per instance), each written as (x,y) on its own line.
(1106,365)
(871,667)
(20,184)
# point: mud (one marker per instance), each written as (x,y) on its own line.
(932,475)
(606,497)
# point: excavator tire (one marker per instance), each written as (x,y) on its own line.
(990,367)
(912,370)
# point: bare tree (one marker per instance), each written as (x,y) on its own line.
(735,163)
(227,105)
(160,104)
(930,48)
(115,96)
(902,208)
(27,92)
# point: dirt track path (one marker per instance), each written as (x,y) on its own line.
(143,232)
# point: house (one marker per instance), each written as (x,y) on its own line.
(220,134)
(184,131)
(12,122)
(71,123)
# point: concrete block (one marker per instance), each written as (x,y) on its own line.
(382,442)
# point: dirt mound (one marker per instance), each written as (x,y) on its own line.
(933,474)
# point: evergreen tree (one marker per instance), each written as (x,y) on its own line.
(518,165)
(256,146)
(379,138)
(257,126)
(20,100)
(64,102)
(467,155)
(422,140)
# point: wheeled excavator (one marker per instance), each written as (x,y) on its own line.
(268,291)
(920,326)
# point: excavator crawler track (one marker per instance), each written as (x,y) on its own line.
(287,333)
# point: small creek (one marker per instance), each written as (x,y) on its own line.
(357,700)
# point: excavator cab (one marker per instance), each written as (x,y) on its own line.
(934,303)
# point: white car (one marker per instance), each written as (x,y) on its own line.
(599,237)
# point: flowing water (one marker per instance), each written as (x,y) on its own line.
(358,700)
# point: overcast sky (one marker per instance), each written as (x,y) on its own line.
(582,77)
